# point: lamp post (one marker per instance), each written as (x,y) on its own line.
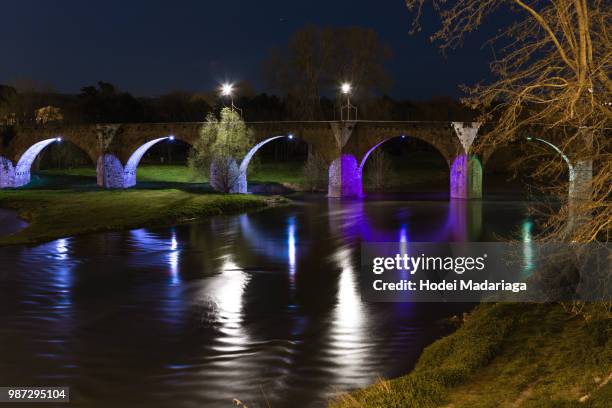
(346,89)
(227,90)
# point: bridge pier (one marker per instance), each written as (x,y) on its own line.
(466,177)
(225,176)
(7,173)
(109,172)
(345,177)
(580,189)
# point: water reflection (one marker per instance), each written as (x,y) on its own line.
(233,307)
(291,247)
(528,255)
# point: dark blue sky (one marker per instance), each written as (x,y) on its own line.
(151,47)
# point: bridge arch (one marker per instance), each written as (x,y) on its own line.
(24,164)
(17,159)
(402,136)
(131,166)
(497,161)
(113,174)
(242,183)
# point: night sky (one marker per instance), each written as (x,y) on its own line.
(152,47)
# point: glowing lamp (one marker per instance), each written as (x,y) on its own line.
(346,88)
(227,89)
(290,136)
(171,138)
(58,139)
(403,136)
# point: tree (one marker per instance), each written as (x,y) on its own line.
(222,141)
(379,172)
(318,59)
(106,103)
(315,171)
(551,71)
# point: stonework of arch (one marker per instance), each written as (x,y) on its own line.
(22,169)
(242,182)
(19,152)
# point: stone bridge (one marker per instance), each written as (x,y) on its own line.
(345,147)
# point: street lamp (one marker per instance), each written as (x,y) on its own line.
(346,88)
(227,90)
(58,139)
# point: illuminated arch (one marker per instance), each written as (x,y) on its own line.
(22,169)
(244,165)
(377,145)
(129,171)
(241,184)
(359,175)
(572,174)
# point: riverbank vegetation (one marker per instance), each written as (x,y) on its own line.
(59,213)
(508,355)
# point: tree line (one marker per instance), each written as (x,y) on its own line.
(303,79)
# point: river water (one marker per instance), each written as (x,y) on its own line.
(10,222)
(264,307)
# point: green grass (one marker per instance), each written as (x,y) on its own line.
(506,355)
(282,173)
(146,173)
(58,213)
(289,174)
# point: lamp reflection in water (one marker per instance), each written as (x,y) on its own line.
(173,260)
(528,262)
(348,344)
(227,292)
(61,272)
(291,248)
(403,247)
(61,247)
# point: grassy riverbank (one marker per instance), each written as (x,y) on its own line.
(58,213)
(282,173)
(418,177)
(506,355)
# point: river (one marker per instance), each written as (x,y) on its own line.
(264,307)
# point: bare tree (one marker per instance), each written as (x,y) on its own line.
(551,71)
(379,173)
(315,171)
(316,60)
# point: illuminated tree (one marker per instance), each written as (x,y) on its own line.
(222,141)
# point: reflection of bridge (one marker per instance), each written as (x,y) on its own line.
(345,147)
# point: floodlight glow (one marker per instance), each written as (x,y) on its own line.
(290,136)
(346,88)
(58,139)
(227,89)
(403,136)
(528,137)
(171,138)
